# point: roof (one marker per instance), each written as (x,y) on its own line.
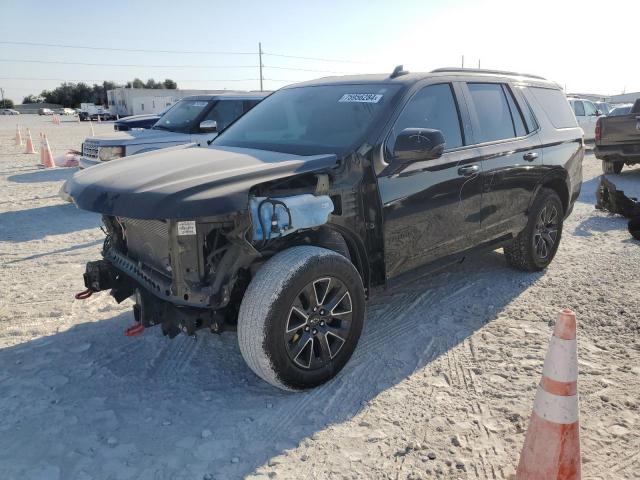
(234,95)
(414,77)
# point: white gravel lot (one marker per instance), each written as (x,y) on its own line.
(441,385)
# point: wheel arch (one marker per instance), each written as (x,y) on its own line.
(357,251)
(557,182)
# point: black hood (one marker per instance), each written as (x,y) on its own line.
(184,182)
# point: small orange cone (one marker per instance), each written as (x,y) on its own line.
(29,143)
(18,135)
(48,157)
(551,448)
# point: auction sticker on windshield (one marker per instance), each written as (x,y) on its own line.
(361,98)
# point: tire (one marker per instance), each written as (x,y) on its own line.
(612,167)
(276,317)
(534,248)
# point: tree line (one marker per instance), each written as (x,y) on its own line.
(73,94)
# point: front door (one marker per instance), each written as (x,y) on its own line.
(223,112)
(591,117)
(431,208)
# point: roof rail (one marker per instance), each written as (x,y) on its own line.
(479,70)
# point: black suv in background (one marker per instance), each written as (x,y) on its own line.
(324,190)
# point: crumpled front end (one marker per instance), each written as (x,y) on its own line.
(181,272)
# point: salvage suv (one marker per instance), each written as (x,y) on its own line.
(325,190)
(195,119)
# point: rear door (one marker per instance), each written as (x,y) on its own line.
(506,133)
(431,208)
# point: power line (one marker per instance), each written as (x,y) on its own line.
(116,81)
(115,49)
(199,52)
(58,62)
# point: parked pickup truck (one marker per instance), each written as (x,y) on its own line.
(618,140)
(322,194)
(196,119)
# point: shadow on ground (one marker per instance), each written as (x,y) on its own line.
(91,403)
(48,175)
(35,223)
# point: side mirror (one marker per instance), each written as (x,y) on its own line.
(209,126)
(598,113)
(418,144)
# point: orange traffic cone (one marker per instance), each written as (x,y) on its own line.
(29,143)
(551,448)
(18,135)
(48,157)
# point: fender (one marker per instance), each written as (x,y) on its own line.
(556,178)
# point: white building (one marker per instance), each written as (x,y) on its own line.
(139,101)
(625,97)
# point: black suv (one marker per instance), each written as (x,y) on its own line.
(324,190)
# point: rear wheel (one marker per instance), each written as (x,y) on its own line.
(609,166)
(301,317)
(534,248)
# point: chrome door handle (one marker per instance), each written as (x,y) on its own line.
(530,156)
(468,170)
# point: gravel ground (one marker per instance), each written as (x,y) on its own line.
(440,386)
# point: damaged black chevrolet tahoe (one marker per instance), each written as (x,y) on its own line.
(286,223)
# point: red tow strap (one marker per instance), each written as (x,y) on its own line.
(84,294)
(134,330)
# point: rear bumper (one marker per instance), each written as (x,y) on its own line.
(622,152)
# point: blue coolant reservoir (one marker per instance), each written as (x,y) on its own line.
(306,211)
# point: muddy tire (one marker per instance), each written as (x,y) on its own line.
(534,248)
(609,166)
(301,317)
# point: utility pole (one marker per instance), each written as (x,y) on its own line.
(260,58)
(2,92)
(462,61)
(478,64)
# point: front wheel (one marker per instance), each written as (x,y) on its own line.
(301,317)
(612,167)
(534,248)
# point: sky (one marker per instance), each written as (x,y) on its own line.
(582,45)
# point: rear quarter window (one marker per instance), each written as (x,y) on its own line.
(555,106)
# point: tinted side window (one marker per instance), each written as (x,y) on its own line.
(225,112)
(432,107)
(578,108)
(589,109)
(555,106)
(492,109)
(516,115)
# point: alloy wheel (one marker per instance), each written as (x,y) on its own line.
(319,322)
(546,231)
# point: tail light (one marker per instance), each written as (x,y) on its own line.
(599,129)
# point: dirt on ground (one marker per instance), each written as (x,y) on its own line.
(440,386)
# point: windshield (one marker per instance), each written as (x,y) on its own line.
(311,120)
(182,116)
(618,111)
